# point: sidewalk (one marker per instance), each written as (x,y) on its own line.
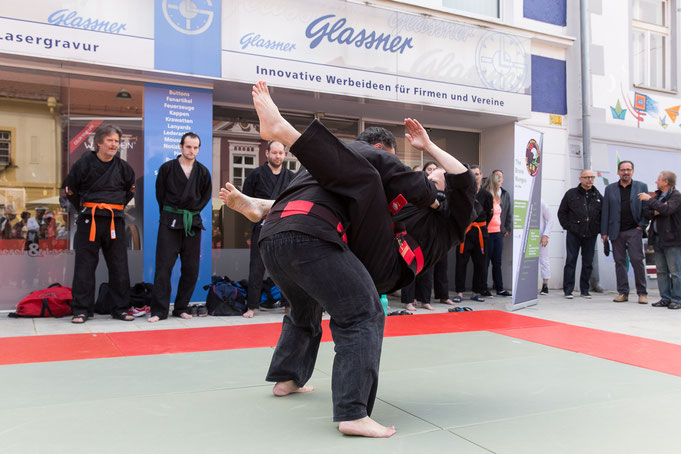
(600,312)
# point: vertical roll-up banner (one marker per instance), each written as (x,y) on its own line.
(169,112)
(527,164)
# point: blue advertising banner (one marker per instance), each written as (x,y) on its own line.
(187,36)
(169,112)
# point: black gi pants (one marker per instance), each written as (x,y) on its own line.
(419,289)
(87,256)
(256,270)
(471,249)
(316,275)
(440,279)
(169,244)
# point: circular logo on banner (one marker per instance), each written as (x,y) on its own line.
(501,62)
(532,157)
(191,17)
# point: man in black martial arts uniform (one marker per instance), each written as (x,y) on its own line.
(265,182)
(99,186)
(473,246)
(183,188)
(344,198)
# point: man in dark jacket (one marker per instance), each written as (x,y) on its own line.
(623,224)
(580,215)
(665,234)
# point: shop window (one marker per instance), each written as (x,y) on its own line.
(242,164)
(5,148)
(488,8)
(651,40)
(291,164)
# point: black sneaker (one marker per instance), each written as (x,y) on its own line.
(487,293)
(586,295)
(504,293)
(193,310)
(544,290)
(202,310)
(661,303)
(568,296)
(271,306)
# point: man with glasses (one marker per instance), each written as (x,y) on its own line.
(623,224)
(580,215)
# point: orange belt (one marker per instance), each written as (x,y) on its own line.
(102,206)
(479,225)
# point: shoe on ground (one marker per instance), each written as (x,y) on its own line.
(544,290)
(137,311)
(202,310)
(586,295)
(504,293)
(487,294)
(661,303)
(642,299)
(674,306)
(193,310)
(271,306)
(621,298)
(568,296)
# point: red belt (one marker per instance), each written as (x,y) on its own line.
(102,206)
(308,208)
(479,225)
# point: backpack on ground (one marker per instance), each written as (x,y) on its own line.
(103,303)
(54,301)
(225,297)
(270,293)
(140,294)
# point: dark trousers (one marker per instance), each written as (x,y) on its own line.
(170,244)
(316,275)
(471,249)
(495,246)
(256,270)
(440,279)
(630,241)
(87,256)
(419,290)
(573,244)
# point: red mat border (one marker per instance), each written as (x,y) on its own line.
(636,351)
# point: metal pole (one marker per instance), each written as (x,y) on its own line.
(586,84)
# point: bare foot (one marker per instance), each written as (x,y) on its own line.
(248,314)
(448,301)
(284,388)
(154,319)
(366,427)
(185,316)
(410,307)
(272,124)
(254,209)
(428,306)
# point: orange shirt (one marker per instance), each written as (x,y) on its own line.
(495,224)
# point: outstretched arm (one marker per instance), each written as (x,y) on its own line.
(419,139)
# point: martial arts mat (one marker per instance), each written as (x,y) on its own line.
(472,382)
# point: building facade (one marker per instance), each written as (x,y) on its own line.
(471,71)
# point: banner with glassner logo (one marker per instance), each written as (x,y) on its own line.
(527,165)
(359,50)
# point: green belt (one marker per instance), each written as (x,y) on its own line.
(187,218)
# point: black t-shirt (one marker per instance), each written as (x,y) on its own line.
(627,221)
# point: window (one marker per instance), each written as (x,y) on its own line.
(244,160)
(5,142)
(488,8)
(651,44)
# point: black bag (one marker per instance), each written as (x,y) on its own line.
(140,294)
(103,304)
(271,295)
(225,297)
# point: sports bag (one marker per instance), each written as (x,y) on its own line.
(270,293)
(54,301)
(225,297)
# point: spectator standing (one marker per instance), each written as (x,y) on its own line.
(6,223)
(496,245)
(265,182)
(580,215)
(623,224)
(545,225)
(665,234)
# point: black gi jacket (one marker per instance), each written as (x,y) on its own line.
(261,182)
(91,180)
(175,190)
(340,172)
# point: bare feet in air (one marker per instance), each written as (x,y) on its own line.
(249,313)
(366,427)
(272,124)
(254,209)
(284,388)
(428,306)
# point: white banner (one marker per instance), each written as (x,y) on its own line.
(346,48)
